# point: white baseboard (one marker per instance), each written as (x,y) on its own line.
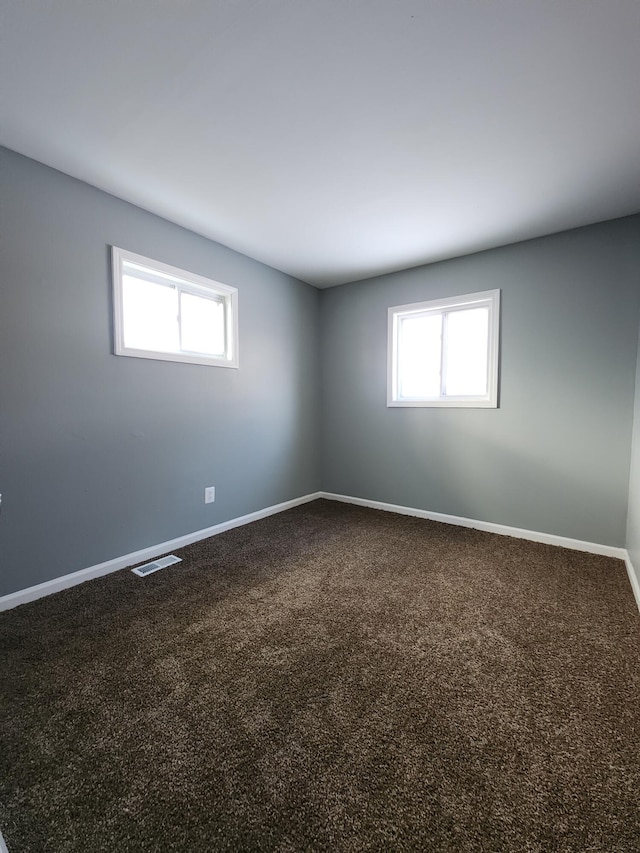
(487,526)
(40,590)
(48,587)
(3,846)
(634,579)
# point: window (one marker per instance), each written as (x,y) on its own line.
(167,313)
(445,352)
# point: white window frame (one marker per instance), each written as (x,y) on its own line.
(184,281)
(486,299)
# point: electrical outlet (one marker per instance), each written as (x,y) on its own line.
(210,494)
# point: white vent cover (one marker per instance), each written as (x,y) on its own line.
(162,563)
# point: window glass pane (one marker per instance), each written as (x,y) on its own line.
(150,315)
(202,324)
(466,345)
(419,346)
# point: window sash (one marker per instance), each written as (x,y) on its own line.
(444,308)
(211,298)
(145,269)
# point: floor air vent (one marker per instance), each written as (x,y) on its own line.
(162,563)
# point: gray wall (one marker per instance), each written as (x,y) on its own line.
(633,521)
(102,455)
(555,456)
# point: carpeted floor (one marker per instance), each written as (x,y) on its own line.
(333,679)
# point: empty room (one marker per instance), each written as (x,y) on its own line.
(320,426)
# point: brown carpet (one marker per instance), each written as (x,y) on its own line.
(332,679)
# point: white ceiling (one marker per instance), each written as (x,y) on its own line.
(335,139)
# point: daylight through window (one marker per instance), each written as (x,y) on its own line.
(445,352)
(165,313)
